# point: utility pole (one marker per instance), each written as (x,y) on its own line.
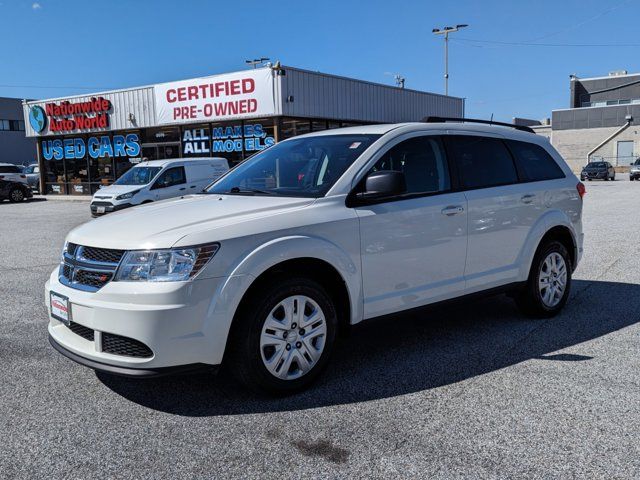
(446,31)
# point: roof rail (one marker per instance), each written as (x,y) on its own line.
(431,119)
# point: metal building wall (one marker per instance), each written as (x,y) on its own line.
(317,95)
(138,101)
(15,147)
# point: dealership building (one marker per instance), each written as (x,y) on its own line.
(87,141)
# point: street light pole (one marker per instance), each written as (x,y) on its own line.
(445,31)
(256,61)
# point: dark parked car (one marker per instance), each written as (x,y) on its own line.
(634,172)
(598,171)
(14,191)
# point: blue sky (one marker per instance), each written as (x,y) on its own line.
(53,48)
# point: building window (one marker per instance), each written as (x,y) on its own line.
(292,127)
(12,125)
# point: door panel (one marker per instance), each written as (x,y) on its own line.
(412,253)
(413,246)
(500,220)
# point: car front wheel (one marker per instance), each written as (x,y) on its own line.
(283,336)
(549,282)
(16,195)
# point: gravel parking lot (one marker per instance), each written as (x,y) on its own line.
(473,391)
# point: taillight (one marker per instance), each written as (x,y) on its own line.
(581,189)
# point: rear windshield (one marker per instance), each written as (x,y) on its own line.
(138,176)
(9,169)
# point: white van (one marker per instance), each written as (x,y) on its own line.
(157,180)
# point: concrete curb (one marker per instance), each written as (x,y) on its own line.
(64,198)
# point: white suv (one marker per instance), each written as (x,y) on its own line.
(316,233)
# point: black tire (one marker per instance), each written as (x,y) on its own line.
(244,359)
(16,195)
(529,300)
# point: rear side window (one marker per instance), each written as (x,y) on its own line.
(482,161)
(534,162)
(9,169)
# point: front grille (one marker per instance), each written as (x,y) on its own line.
(81,330)
(128,347)
(88,268)
(102,255)
(92,279)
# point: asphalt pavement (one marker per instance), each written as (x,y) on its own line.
(467,391)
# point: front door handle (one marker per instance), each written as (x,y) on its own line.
(528,198)
(183,188)
(453,210)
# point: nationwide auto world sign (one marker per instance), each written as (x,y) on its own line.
(221,97)
(68,116)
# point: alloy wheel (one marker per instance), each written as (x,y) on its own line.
(17,195)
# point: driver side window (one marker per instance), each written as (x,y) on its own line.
(172,176)
(423,162)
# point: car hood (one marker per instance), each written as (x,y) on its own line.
(163,224)
(115,190)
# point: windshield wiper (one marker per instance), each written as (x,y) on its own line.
(249,191)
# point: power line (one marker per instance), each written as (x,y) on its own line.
(533,44)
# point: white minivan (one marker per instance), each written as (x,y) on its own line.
(155,180)
(314,234)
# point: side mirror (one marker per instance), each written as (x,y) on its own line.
(385,183)
(159,184)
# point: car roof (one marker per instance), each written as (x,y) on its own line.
(382,129)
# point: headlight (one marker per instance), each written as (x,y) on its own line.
(127,196)
(171,265)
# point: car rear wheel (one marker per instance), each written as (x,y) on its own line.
(283,336)
(16,195)
(549,282)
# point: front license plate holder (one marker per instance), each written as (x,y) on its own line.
(60,308)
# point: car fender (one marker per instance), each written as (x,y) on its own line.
(241,275)
(550,219)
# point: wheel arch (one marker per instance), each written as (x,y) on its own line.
(313,257)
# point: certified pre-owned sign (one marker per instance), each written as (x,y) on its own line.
(221,97)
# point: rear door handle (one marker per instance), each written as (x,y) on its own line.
(528,198)
(453,210)
(183,188)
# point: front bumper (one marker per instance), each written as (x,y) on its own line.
(634,175)
(172,319)
(108,207)
(126,371)
(594,176)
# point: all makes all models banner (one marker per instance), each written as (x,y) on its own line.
(222,97)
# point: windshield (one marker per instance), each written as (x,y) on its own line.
(597,165)
(301,167)
(637,162)
(138,176)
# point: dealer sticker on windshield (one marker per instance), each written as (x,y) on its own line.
(60,308)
